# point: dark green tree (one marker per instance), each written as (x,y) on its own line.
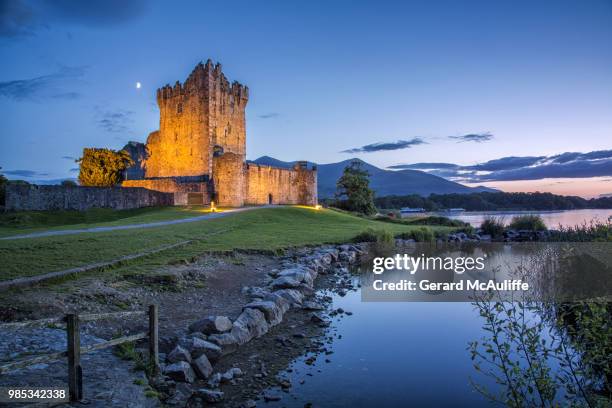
(103,167)
(353,191)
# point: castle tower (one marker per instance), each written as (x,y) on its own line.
(201,118)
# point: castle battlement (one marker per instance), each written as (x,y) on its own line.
(207,76)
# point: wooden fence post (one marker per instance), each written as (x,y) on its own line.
(75,372)
(153,339)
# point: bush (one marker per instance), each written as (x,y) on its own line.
(436,220)
(528,222)
(594,231)
(69,183)
(493,226)
(421,234)
(380,236)
(103,167)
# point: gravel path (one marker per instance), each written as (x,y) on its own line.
(108,381)
(209,216)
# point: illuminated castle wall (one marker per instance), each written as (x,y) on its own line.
(199,151)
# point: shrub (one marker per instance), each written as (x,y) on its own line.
(380,236)
(436,220)
(69,183)
(492,226)
(103,167)
(421,234)
(528,222)
(594,231)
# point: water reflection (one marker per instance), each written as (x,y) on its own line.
(431,354)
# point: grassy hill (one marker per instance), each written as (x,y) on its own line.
(260,229)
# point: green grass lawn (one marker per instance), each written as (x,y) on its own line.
(264,229)
(17,223)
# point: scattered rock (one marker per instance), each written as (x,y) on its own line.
(180,371)
(285,282)
(179,354)
(197,347)
(253,321)
(226,341)
(202,367)
(293,296)
(211,325)
(272,312)
(209,396)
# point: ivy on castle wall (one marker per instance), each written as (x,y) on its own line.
(103,167)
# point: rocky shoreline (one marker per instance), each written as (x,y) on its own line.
(191,367)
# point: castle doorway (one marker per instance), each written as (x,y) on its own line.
(270,198)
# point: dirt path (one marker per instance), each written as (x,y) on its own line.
(209,216)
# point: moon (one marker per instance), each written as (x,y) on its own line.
(138,85)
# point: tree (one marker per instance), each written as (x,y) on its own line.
(353,191)
(103,167)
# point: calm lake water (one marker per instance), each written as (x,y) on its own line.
(568,218)
(395,353)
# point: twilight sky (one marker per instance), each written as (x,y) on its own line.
(394,83)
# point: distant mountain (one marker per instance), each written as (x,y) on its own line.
(383,182)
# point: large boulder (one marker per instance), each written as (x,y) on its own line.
(282,303)
(270,310)
(293,296)
(241,333)
(251,320)
(302,275)
(227,342)
(180,371)
(211,325)
(285,282)
(179,354)
(202,367)
(197,347)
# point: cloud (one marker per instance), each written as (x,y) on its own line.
(424,166)
(24,173)
(116,121)
(74,169)
(506,163)
(473,137)
(19,18)
(43,87)
(566,165)
(270,115)
(386,146)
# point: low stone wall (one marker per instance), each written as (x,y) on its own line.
(38,198)
(185,193)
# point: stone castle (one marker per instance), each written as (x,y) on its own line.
(199,151)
